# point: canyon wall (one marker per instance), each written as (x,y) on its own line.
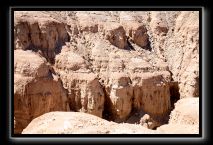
(110,64)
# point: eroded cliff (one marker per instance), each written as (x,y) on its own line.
(109,64)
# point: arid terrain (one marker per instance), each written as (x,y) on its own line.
(106,72)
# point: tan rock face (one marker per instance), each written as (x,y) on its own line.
(121,95)
(36,89)
(188,76)
(184,119)
(84,90)
(175,39)
(109,64)
(178,129)
(117,37)
(38,31)
(80,123)
(129,85)
(139,36)
(186,111)
(29,64)
(151,93)
(158,23)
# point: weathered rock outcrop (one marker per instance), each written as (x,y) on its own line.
(184,118)
(36,89)
(117,37)
(151,93)
(186,112)
(149,122)
(138,34)
(84,90)
(121,95)
(175,37)
(39,32)
(80,123)
(109,64)
(178,129)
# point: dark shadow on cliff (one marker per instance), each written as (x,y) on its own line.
(129,46)
(174,93)
(107,113)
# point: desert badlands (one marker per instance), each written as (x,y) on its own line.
(106,72)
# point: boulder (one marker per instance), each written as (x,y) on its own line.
(117,36)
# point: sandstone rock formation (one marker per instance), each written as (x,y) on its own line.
(184,119)
(176,39)
(117,36)
(139,36)
(39,31)
(121,95)
(80,123)
(186,112)
(84,90)
(111,64)
(36,89)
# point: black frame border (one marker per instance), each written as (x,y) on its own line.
(141,137)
